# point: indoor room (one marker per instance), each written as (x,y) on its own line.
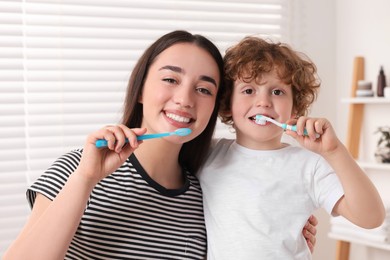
(65,68)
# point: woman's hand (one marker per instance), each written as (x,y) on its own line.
(98,163)
(309,232)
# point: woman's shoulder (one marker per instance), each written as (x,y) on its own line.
(66,163)
(54,178)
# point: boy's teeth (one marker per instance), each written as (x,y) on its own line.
(178,118)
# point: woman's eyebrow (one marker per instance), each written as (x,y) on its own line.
(208,79)
(173,68)
(180,70)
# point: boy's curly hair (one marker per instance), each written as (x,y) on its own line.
(252,57)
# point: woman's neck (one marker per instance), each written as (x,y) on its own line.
(160,160)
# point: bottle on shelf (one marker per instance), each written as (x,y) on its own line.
(381,84)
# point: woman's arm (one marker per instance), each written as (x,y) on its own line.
(52,224)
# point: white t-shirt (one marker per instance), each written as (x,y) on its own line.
(256,203)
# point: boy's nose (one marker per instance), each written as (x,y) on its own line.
(263,100)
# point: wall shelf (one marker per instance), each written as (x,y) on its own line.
(374,166)
(361,241)
(366,100)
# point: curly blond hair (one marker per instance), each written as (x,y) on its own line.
(252,57)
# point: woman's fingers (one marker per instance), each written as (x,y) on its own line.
(310,231)
(116,136)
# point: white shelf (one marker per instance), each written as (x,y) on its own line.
(366,100)
(361,241)
(374,166)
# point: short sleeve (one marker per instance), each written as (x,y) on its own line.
(328,188)
(54,178)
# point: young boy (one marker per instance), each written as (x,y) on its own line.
(258,190)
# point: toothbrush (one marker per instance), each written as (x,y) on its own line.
(261,120)
(180,132)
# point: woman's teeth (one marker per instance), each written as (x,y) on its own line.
(178,118)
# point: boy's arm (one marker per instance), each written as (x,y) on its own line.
(361,203)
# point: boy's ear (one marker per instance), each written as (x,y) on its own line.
(294,114)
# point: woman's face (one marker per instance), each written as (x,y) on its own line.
(180,91)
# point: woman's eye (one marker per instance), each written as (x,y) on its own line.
(204,91)
(277,92)
(169,80)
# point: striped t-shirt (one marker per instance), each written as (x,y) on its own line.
(130,216)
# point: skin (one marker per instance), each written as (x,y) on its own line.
(361,203)
(310,231)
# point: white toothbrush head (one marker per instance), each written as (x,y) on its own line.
(261,120)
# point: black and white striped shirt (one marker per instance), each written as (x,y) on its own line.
(130,216)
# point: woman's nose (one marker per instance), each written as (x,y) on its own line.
(184,96)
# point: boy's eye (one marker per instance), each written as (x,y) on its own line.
(248,91)
(277,92)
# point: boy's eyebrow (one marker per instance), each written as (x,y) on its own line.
(180,70)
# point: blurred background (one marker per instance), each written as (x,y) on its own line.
(64,67)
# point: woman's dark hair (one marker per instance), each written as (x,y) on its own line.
(193,153)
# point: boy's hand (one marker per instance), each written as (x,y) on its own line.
(326,143)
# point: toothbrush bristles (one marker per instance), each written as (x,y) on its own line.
(260,120)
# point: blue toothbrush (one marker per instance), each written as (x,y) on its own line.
(180,132)
(261,120)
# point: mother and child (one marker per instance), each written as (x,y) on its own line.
(143,199)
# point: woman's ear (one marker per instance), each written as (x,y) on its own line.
(225,113)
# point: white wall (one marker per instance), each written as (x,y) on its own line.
(362,30)
(333,33)
(314,34)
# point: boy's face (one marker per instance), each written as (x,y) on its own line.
(271,98)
